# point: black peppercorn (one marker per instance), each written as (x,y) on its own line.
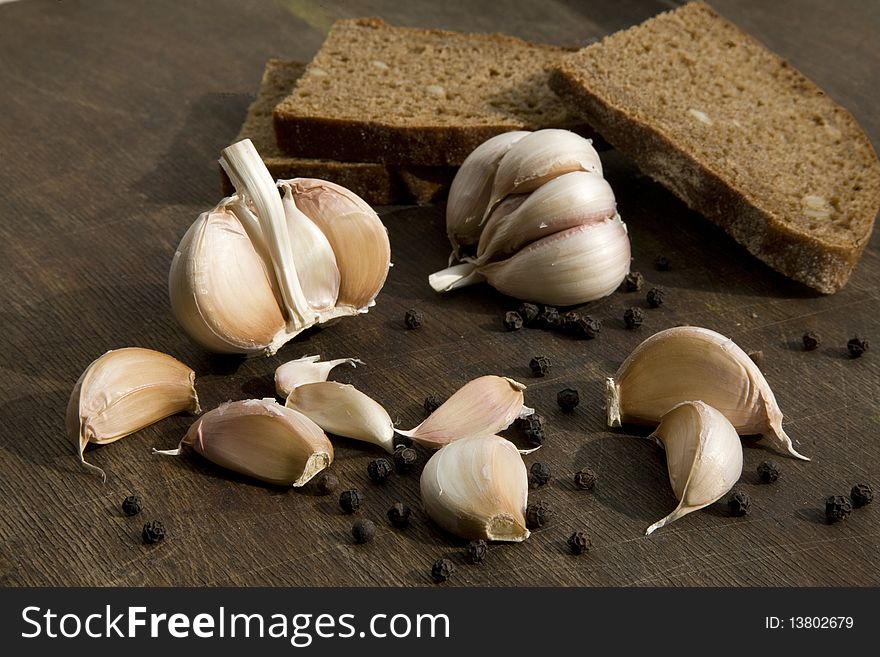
(580,542)
(585,328)
(739,503)
(154,531)
(404,459)
(513,321)
(533,428)
(398,515)
(529,313)
(378,470)
(585,479)
(568,399)
(475,551)
(633,317)
(539,515)
(131,505)
(350,500)
(539,474)
(768,472)
(549,318)
(540,365)
(413,319)
(757,358)
(363,530)
(432,403)
(837,507)
(857,346)
(442,570)
(633,282)
(811,341)
(661,263)
(655,297)
(861,495)
(327,483)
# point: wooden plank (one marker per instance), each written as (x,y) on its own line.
(110,136)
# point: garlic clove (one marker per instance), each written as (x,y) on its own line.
(316,262)
(221,289)
(703,455)
(308,369)
(356,234)
(569,200)
(471,188)
(124,391)
(538,158)
(689,362)
(477,488)
(485,405)
(571,267)
(342,409)
(261,439)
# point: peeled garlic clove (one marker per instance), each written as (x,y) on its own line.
(221,288)
(124,391)
(570,200)
(308,369)
(477,488)
(539,157)
(483,406)
(344,410)
(689,362)
(471,188)
(703,454)
(356,234)
(261,439)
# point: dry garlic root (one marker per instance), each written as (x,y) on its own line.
(261,439)
(124,391)
(692,363)
(539,220)
(259,269)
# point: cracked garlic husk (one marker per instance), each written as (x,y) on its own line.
(550,231)
(477,488)
(124,391)
(308,369)
(259,438)
(262,267)
(703,456)
(690,362)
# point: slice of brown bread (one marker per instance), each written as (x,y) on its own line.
(375,183)
(738,134)
(412,96)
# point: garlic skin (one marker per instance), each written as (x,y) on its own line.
(124,391)
(477,488)
(703,455)
(308,369)
(261,439)
(483,406)
(342,409)
(689,362)
(259,269)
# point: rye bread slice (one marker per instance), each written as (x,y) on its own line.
(376,183)
(738,134)
(413,96)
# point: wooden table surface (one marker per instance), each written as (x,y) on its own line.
(112,116)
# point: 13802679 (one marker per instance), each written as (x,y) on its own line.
(821,622)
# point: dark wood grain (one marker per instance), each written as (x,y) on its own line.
(111,119)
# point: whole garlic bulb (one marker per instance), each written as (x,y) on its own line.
(549,230)
(262,267)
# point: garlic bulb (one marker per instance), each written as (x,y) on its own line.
(477,488)
(550,231)
(262,267)
(308,369)
(703,455)
(689,362)
(124,391)
(261,439)
(485,405)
